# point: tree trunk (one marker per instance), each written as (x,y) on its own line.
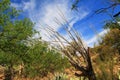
(91,76)
(9,74)
(90,71)
(87,72)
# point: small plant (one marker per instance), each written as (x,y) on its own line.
(61,76)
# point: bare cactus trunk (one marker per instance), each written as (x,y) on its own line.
(88,72)
(91,74)
(74,49)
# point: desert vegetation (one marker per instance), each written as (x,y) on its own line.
(23,57)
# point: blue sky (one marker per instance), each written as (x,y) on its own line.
(45,12)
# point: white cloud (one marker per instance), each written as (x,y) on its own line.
(16,5)
(80,16)
(29,5)
(48,12)
(95,38)
(53,10)
(25,6)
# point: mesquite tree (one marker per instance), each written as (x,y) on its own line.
(18,48)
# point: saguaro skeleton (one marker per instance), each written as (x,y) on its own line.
(73,49)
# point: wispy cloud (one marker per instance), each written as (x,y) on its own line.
(49,11)
(29,5)
(95,38)
(16,5)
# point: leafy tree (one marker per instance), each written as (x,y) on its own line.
(12,35)
(112,39)
(16,49)
(113,24)
(108,48)
(42,60)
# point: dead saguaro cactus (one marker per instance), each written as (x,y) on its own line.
(73,48)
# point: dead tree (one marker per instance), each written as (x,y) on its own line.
(74,49)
